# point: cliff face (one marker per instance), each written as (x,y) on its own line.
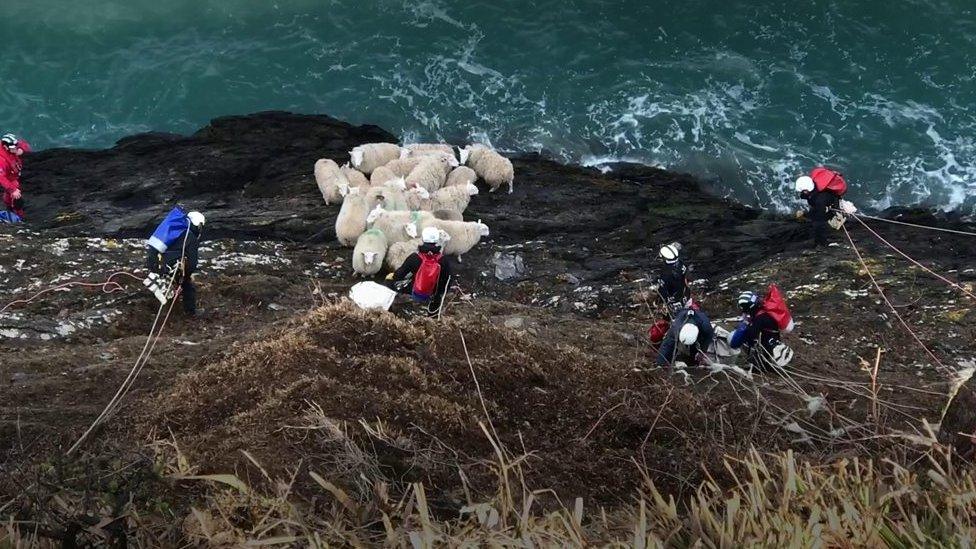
(561,269)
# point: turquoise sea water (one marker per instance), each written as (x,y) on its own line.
(745,94)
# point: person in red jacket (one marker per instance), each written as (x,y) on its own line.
(12,149)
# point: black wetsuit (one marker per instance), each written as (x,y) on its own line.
(820,203)
(673,286)
(409,268)
(162,264)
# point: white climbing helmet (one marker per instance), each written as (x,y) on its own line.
(804,184)
(196,219)
(669,252)
(688,334)
(747,301)
(431,235)
(9,140)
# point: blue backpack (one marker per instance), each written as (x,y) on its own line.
(169,230)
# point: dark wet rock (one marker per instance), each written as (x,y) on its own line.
(252,175)
(508,265)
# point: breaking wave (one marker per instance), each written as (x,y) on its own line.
(746,98)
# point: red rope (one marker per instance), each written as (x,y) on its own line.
(923,267)
(890,305)
(108,287)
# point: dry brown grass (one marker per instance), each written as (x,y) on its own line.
(586,416)
(774,501)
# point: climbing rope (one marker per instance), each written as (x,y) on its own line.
(929,227)
(923,267)
(141,360)
(108,287)
(891,306)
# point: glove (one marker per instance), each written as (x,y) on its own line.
(389,277)
(799,214)
(15,194)
(837,221)
(156,285)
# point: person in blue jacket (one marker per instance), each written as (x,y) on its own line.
(172,253)
(758,332)
(693,331)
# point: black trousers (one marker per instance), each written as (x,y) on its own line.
(820,232)
(188,293)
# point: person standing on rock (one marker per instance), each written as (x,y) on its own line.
(690,335)
(822,190)
(672,283)
(172,253)
(12,149)
(428,270)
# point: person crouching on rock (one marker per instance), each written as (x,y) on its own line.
(429,270)
(12,150)
(672,283)
(758,331)
(689,337)
(821,203)
(172,253)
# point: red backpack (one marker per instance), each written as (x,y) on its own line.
(775,306)
(658,330)
(825,179)
(429,273)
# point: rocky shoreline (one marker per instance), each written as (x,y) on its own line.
(551,305)
(252,175)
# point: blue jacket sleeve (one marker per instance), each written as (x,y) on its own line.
(666,352)
(739,335)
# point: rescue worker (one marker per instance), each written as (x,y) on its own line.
(758,332)
(693,331)
(12,149)
(672,283)
(821,205)
(411,272)
(172,254)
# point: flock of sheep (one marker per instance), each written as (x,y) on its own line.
(390,194)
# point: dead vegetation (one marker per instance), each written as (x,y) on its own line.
(407,389)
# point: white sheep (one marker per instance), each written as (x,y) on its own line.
(428,174)
(463,235)
(330,180)
(367,158)
(453,198)
(351,221)
(422,151)
(427,149)
(355,177)
(403,166)
(494,168)
(448,215)
(417,199)
(367,257)
(381,175)
(390,197)
(399,252)
(460,176)
(399,226)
